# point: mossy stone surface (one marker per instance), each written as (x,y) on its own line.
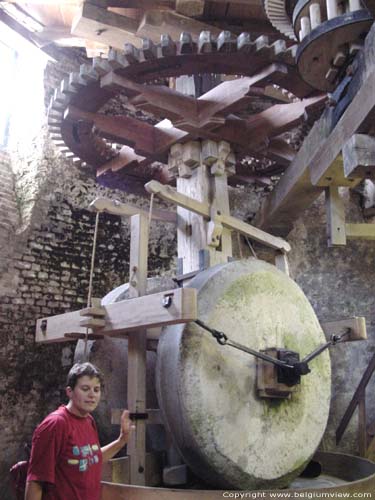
(230,436)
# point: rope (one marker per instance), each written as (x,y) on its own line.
(89,295)
(251,247)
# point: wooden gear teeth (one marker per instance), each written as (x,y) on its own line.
(154,63)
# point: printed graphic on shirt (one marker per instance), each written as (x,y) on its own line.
(85,457)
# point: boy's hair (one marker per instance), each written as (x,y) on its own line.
(80,370)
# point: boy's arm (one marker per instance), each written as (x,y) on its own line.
(110,450)
(34,490)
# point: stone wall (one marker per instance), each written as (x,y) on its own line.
(339,284)
(45,250)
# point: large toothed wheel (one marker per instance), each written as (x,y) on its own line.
(139,75)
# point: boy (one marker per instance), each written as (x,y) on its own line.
(66,458)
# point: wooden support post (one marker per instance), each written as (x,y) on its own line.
(315,16)
(332,9)
(305,27)
(335,217)
(359,156)
(362,424)
(355,5)
(137,350)
(282,263)
(191,227)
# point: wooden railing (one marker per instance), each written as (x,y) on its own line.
(364,431)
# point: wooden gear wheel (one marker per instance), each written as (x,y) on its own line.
(226,433)
(86,134)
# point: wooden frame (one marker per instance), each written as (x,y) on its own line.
(125,316)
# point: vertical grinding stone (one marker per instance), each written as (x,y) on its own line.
(229,436)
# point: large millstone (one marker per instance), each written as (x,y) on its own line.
(110,355)
(229,436)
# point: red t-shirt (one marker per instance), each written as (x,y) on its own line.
(66,456)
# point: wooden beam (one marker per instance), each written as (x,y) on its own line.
(356,325)
(171,104)
(335,211)
(360,231)
(155,22)
(125,158)
(169,194)
(355,400)
(137,353)
(362,425)
(144,137)
(359,156)
(227,96)
(102,26)
(115,207)
(122,317)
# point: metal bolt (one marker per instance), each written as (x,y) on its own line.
(167,301)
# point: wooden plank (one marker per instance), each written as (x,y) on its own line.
(228,95)
(335,211)
(155,22)
(124,316)
(103,26)
(137,353)
(357,325)
(359,156)
(144,137)
(355,400)
(360,231)
(115,207)
(169,194)
(117,470)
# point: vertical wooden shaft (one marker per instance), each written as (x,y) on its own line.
(315,16)
(137,350)
(305,26)
(192,228)
(362,425)
(332,9)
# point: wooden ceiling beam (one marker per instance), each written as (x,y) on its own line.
(155,22)
(102,26)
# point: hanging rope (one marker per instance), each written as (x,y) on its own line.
(150,211)
(89,295)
